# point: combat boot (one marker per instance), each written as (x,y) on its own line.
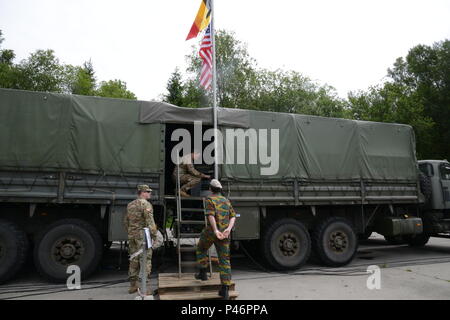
(224,292)
(133,287)
(202,275)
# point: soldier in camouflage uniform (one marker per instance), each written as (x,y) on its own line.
(221,218)
(139,216)
(189,176)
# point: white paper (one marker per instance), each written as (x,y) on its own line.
(148,238)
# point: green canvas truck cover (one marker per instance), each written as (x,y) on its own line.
(310,147)
(320,148)
(48,131)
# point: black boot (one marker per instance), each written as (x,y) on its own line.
(202,275)
(223,292)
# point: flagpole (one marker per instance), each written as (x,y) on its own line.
(214,88)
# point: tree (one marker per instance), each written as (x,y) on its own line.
(83,79)
(426,72)
(8,72)
(291,92)
(235,73)
(175,89)
(241,84)
(114,89)
(42,71)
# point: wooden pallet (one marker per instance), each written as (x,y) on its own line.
(171,287)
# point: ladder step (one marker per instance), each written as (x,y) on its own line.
(192,210)
(184,199)
(189,235)
(189,263)
(191,222)
(188,249)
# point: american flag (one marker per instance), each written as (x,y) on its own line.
(206,56)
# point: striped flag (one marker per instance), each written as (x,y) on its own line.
(207,59)
(201,20)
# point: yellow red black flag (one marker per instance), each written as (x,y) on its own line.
(201,20)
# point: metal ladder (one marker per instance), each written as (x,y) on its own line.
(182,222)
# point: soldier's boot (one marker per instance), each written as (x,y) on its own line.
(202,274)
(133,287)
(224,292)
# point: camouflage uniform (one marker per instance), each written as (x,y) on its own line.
(139,215)
(189,176)
(219,207)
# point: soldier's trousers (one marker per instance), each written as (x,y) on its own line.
(207,238)
(188,181)
(135,245)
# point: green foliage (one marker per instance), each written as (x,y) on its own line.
(291,92)
(114,89)
(42,71)
(175,89)
(84,81)
(241,84)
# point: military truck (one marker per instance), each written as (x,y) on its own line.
(70,164)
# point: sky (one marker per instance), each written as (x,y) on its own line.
(348,44)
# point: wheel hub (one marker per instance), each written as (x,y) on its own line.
(338,241)
(68,250)
(288,244)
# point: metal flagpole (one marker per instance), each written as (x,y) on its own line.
(214,87)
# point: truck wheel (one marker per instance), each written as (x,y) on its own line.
(335,241)
(286,244)
(419,240)
(13,250)
(64,243)
(425,186)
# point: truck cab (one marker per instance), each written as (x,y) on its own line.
(437,172)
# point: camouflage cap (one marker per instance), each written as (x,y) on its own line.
(143,187)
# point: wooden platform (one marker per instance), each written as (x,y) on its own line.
(171,287)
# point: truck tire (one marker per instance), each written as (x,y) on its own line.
(13,250)
(419,240)
(335,242)
(286,244)
(64,243)
(425,186)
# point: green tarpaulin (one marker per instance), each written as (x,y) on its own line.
(313,147)
(49,131)
(53,131)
